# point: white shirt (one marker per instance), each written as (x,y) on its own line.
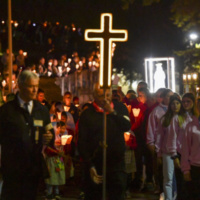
(22,104)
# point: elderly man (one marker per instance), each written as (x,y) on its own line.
(91,150)
(24,128)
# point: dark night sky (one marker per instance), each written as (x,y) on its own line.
(151,32)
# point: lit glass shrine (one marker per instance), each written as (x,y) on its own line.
(159,73)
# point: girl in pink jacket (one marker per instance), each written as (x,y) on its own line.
(166,144)
(190,156)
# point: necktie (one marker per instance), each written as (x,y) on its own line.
(26,106)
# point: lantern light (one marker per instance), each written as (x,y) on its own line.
(184,77)
(194,76)
(189,77)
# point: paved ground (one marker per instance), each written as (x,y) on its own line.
(72,193)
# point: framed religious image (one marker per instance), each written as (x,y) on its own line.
(160,73)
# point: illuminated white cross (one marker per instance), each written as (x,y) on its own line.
(106,35)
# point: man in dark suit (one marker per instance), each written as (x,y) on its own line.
(24,128)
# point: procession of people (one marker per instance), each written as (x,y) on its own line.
(153,141)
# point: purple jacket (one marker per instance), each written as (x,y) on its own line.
(190,153)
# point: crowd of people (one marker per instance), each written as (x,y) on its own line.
(53,42)
(51,67)
(153,143)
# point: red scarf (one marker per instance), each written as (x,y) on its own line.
(99,109)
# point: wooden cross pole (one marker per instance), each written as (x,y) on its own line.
(106,35)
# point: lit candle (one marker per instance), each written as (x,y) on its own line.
(81,63)
(184,77)
(3,83)
(4,98)
(66,139)
(68,69)
(65,64)
(136,112)
(77,66)
(94,63)
(59,115)
(16,24)
(49,73)
(60,69)
(90,64)
(50,63)
(126,136)
(25,53)
(69,60)
(13,84)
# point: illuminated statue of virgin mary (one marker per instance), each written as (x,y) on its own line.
(159,77)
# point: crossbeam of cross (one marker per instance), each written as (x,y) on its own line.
(106,35)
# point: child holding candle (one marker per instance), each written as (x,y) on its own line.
(55,162)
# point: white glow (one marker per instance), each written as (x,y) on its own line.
(151,75)
(113,45)
(173,74)
(3,83)
(60,69)
(77,66)
(136,112)
(69,60)
(134,85)
(184,77)
(159,77)
(189,76)
(113,76)
(146,76)
(81,63)
(194,76)
(101,40)
(49,73)
(193,36)
(150,69)
(68,69)
(16,24)
(90,64)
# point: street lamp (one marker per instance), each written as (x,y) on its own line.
(193,37)
(190,80)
